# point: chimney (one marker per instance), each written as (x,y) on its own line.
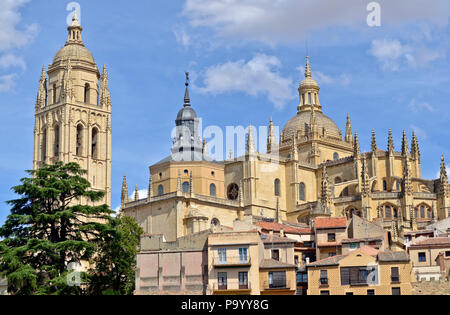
(281,232)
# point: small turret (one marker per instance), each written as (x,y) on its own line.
(272,145)
(348,131)
(250,149)
(124,197)
(391,147)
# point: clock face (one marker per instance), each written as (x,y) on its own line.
(233,192)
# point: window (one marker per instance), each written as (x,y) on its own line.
(357,275)
(388,212)
(277,187)
(349,293)
(395,276)
(302,278)
(233,192)
(447,254)
(222,252)
(324,292)
(422,212)
(79,143)
(243,255)
(212,190)
(422,257)
(87,93)
(222,279)
(331,237)
(396,291)
(296,260)
(331,254)
(215,222)
(397,185)
(384,185)
(160,190)
(324,277)
(302,192)
(276,254)
(277,280)
(353,246)
(56,148)
(186,187)
(94,147)
(243,280)
(336,156)
(370,292)
(44,145)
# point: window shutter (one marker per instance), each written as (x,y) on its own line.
(354,275)
(345,276)
(395,273)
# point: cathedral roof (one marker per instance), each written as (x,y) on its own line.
(302,119)
(74,52)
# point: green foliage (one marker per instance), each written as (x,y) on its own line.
(47,230)
(115,264)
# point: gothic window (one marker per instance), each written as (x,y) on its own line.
(54,93)
(384,185)
(87,92)
(56,147)
(213,190)
(44,145)
(160,190)
(345,192)
(94,148)
(186,187)
(388,212)
(336,156)
(233,192)
(79,142)
(351,212)
(423,212)
(277,188)
(302,192)
(397,185)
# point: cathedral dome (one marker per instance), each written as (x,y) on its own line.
(303,119)
(74,52)
(186,114)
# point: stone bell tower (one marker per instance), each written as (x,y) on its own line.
(73,114)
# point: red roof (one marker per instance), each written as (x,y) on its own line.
(369,250)
(330,223)
(276,227)
(433,241)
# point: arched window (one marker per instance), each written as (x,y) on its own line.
(160,190)
(54,94)
(56,146)
(422,212)
(212,190)
(336,156)
(233,192)
(302,192)
(186,187)
(388,212)
(215,222)
(430,214)
(44,145)
(94,145)
(87,93)
(397,185)
(384,185)
(277,188)
(79,142)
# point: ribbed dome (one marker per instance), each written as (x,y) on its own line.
(186,114)
(309,83)
(303,119)
(75,52)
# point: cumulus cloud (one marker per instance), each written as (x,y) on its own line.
(258,76)
(393,55)
(292,20)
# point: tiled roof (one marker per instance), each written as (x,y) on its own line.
(433,242)
(369,250)
(393,256)
(274,264)
(355,240)
(330,261)
(330,223)
(419,232)
(267,238)
(329,244)
(276,227)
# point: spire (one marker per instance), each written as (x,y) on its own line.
(136,193)
(124,197)
(356,147)
(348,131)
(415,150)
(374,142)
(105,97)
(187,98)
(308,72)
(405,149)
(41,100)
(75,30)
(391,146)
(407,177)
(444,176)
(250,141)
(271,140)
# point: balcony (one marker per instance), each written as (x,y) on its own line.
(232,262)
(232,288)
(277,285)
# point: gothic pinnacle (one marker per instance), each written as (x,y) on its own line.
(405,149)
(250,141)
(356,147)
(374,142)
(391,146)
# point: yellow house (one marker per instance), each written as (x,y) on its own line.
(363,272)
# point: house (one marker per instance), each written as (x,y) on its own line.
(329,234)
(424,257)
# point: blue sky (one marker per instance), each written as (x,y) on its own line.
(245,58)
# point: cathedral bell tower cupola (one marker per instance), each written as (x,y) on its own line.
(75,30)
(309,92)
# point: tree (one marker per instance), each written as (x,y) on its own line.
(47,231)
(115,264)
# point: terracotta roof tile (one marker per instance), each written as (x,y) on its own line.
(434,241)
(393,256)
(330,261)
(369,250)
(330,223)
(276,227)
(267,238)
(273,264)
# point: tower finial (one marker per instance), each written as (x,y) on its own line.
(308,72)
(348,130)
(187,98)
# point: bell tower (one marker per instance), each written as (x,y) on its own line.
(73,114)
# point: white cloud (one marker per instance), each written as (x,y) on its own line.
(276,21)
(420,133)
(438,174)
(12,61)
(13,34)
(420,106)
(182,37)
(7,82)
(259,76)
(393,55)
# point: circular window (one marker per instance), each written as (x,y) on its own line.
(233,192)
